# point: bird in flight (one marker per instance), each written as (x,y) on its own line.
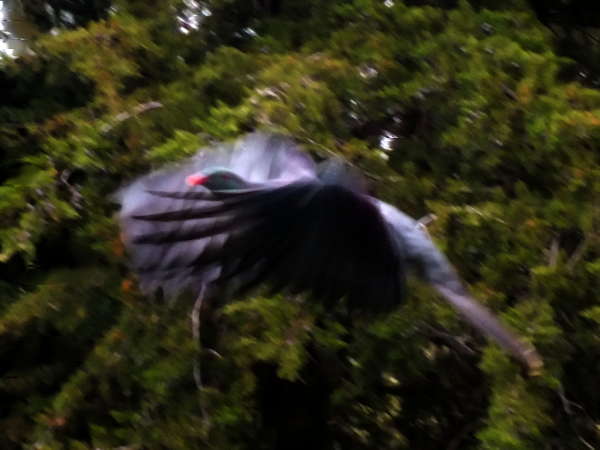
(261,211)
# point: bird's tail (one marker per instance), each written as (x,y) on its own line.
(482,319)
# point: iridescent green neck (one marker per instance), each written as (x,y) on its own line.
(224,180)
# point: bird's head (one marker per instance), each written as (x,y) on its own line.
(216,179)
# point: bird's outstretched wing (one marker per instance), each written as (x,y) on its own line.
(305,236)
(437,270)
(259,158)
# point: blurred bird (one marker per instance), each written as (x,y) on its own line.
(261,211)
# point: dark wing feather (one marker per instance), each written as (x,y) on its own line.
(172,209)
(305,237)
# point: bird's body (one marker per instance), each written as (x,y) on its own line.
(260,210)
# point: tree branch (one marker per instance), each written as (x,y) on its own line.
(579,252)
(197,371)
(553,253)
(123,116)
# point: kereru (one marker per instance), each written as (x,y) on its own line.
(261,211)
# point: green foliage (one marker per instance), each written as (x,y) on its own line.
(488,133)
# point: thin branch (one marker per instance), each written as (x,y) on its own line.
(454,342)
(579,252)
(590,36)
(586,443)
(195,316)
(197,371)
(565,402)
(553,253)
(76,196)
(213,352)
(424,222)
(483,214)
(509,92)
(123,116)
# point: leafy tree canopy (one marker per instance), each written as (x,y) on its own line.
(467,111)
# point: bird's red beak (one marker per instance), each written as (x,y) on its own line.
(196,179)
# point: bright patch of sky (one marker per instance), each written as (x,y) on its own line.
(5,50)
(192,15)
(67,17)
(387,141)
(366,71)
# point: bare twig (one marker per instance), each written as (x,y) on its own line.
(454,342)
(509,92)
(123,116)
(197,371)
(568,404)
(553,253)
(424,221)
(586,443)
(590,36)
(213,352)
(196,311)
(578,253)
(76,196)
(565,402)
(485,215)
